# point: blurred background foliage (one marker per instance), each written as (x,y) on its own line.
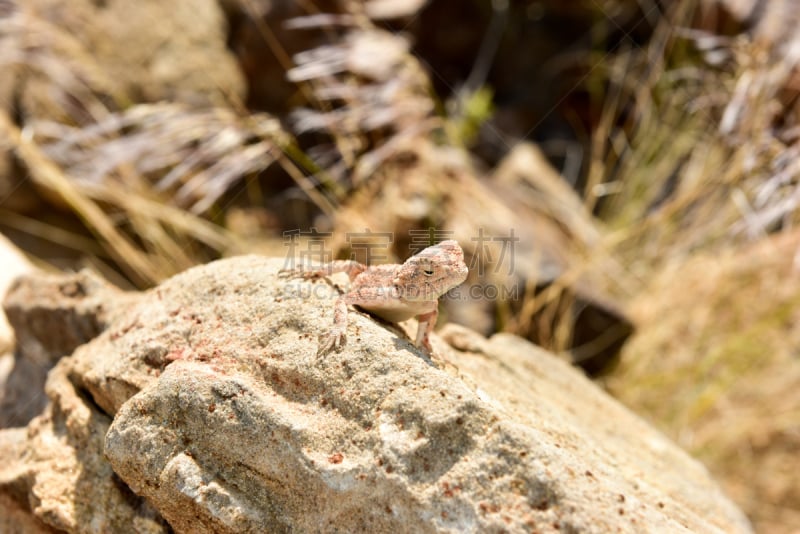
(644,154)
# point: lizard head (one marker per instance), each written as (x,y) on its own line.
(431,273)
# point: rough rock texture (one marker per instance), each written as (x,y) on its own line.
(225,420)
(58,471)
(51,315)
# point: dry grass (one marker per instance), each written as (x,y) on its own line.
(694,167)
(105,173)
(146,178)
(143,178)
(370,96)
(703,158)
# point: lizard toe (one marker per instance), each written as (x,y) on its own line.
(333,341)
(298,274)
(288,273)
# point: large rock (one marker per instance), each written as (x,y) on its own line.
(224,419)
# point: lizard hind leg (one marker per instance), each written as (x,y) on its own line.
(351,268)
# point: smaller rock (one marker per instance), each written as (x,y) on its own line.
(51,316)
(53,473)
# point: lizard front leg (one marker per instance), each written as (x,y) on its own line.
(337,336)
(426,323)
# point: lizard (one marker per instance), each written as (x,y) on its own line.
(394,292)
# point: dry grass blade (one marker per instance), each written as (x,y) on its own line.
(51,233)
(694,156)
(372,95)
(71,85)
(196,154)
(45,172)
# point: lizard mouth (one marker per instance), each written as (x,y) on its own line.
(419,292)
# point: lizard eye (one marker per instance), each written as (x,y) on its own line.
(427,268)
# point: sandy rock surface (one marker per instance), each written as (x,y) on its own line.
(202,403)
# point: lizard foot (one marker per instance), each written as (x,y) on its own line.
(426,346)
(335,340)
